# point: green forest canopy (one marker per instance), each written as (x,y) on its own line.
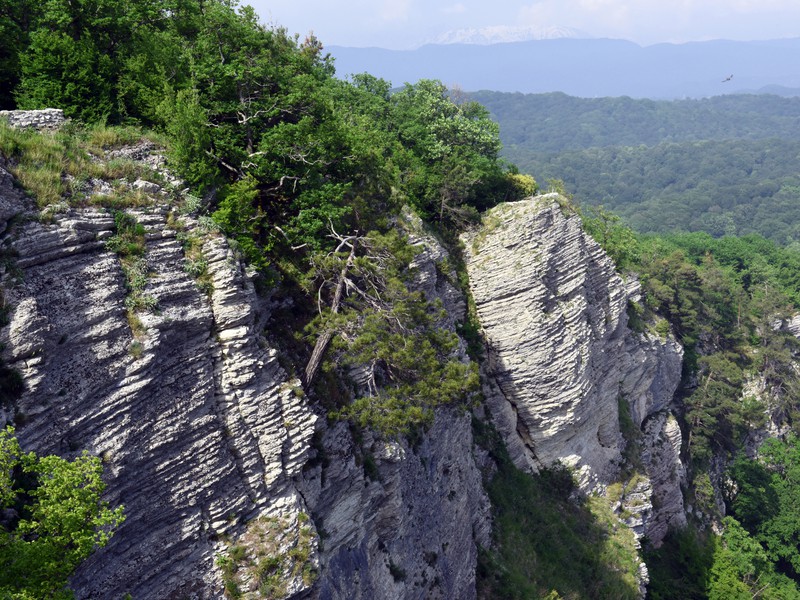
(724,165)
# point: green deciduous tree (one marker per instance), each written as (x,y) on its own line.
(60,519)
(454,148)
(742,570)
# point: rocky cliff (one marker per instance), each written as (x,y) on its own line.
(198,427)
(562,360)
(232,477)
(215,452)
(409,526)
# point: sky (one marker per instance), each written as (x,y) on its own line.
(405,24)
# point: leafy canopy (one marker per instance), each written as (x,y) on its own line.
(59,519)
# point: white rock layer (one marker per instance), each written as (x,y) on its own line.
(561,357)
(198,434)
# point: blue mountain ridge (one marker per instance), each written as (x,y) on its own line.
(589,67)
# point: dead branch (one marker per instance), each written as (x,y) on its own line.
(325,337)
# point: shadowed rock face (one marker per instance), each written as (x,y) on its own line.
(561,357)
(411,529)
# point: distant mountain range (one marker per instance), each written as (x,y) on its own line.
(590,67)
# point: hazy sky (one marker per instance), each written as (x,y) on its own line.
(407,23)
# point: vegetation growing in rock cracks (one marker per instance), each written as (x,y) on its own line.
(548,541)
(293,161)
(270,554)
(727,300)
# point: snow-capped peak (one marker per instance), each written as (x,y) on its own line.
(498,34)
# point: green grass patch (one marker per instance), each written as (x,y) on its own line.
(129,244)
(270,554)
(548,545)
(53,166)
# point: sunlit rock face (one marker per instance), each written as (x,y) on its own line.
(198,426)
(561,357)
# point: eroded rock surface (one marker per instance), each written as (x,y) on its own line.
(198,426)
(408,529)
(552,309)
(403,520)
(561,357)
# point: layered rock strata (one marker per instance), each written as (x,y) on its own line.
(402,520)
(48,118)
(561,357)
(198,426)
(204,438)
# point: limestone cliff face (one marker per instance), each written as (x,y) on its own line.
(561,357)
(205,439)
(410,527)
(199,428)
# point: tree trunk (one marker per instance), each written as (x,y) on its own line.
(325,337)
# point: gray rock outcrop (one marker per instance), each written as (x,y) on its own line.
(199,428)
(402,520)
(47,118)
(561,357)
(409,529)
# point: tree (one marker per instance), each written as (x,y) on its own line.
(59,519)
(455,147)
(781,532)
(388,333)
(16,19)
(742,570)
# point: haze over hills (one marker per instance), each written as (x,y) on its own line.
(589,67)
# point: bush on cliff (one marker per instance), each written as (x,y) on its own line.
(52,519)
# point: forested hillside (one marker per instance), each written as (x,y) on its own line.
(313,178)
(724,165)
(731,302)
(549,123)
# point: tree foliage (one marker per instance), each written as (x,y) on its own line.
(389,335)
(766,498)
(59,519)
(742,570)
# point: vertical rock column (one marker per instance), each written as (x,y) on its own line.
(553,313)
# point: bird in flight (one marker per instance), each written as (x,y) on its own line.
(728,78)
